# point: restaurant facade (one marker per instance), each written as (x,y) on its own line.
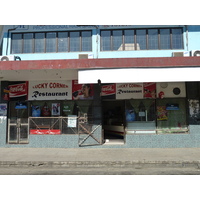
(100,86)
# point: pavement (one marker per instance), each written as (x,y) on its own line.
(101,157)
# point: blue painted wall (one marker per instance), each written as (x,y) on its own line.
(191,42)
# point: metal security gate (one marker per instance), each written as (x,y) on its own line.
(89,133)
(18,126)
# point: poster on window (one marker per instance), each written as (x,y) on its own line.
(50,90)
(3,109)
(82,91)
(55,109)
(129,90)
(149,90)
(161,113)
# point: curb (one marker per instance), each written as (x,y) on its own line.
(102,164)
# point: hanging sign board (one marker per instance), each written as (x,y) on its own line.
(50,90)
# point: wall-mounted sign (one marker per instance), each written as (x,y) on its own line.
(82,91)
(17,90)
(50,90)
(108,91)
(129,90)
(172,106)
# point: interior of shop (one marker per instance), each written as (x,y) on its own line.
(113,119)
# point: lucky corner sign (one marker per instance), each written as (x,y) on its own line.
(50,90)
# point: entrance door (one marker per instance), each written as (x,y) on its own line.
(18,126)
(114,121)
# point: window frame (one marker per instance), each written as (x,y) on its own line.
(147,39)
(56,42)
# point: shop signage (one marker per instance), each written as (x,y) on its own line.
(108,91)
(50,90)
(17,90)
(129,90)
(82,91)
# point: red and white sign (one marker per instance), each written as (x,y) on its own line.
(107,90)
(18,90)
(45,132)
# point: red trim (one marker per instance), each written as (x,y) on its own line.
(101,63)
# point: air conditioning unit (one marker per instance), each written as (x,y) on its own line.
(195,53)
(181,54)
(85,56)
(7,58)
(171,89)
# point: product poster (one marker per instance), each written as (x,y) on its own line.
(129,90)
(108,91)
(161,113)
(82,91)
(36,111)
(150,90)
(55,109)
(3,109)
(50,90)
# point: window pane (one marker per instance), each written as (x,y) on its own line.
(51,42)
(105,40)
(141,39)
(62,42)
(86,41)
(17,43)
(74,41)
(117,40)
(177,39)
(164,38)
(28,43)
(152,39)
(129,40)
(39,43)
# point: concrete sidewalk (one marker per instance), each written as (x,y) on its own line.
(97,157)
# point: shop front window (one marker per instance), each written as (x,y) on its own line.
(140,116)
(171,116)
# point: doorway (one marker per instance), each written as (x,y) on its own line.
(18,126)
(114,121)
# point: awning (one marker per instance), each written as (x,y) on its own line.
(131,75)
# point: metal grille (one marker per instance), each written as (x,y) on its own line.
(67,125)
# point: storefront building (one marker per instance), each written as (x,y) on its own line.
(100,86)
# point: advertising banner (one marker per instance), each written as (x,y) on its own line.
(50,90)
(82,91)
(17,90)
(108,91)
(150,90)
(129,90)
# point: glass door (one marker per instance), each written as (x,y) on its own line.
(18,126)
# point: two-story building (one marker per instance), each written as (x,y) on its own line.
(104,86)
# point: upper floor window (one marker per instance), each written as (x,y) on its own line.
(47,42)
(141,39)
